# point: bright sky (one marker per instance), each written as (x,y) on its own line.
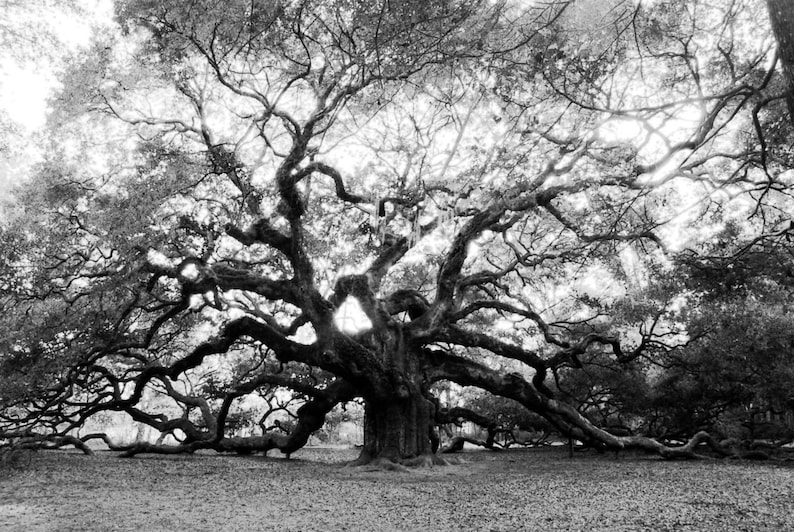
(27,82)
(23,92)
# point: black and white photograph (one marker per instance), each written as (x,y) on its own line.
(396,265)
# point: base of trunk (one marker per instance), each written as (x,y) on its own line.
(369,463)
(399,431)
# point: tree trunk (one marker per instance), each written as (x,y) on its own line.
(781,15)
(398,430)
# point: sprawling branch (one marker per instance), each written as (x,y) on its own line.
(261,231)
(311,417)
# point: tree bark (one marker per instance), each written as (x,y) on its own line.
(399,429)
(781,15)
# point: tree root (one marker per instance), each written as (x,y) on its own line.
(404,465)
(378,464)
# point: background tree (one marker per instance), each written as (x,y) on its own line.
(477,183)
(781,15)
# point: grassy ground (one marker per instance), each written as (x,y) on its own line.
(513,490)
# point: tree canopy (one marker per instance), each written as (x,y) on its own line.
(364,200)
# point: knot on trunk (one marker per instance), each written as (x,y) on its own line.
(400,387)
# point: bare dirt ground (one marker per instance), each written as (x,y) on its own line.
(513,490)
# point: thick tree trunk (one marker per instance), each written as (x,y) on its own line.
(398,430)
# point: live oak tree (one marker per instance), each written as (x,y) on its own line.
(363,200)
